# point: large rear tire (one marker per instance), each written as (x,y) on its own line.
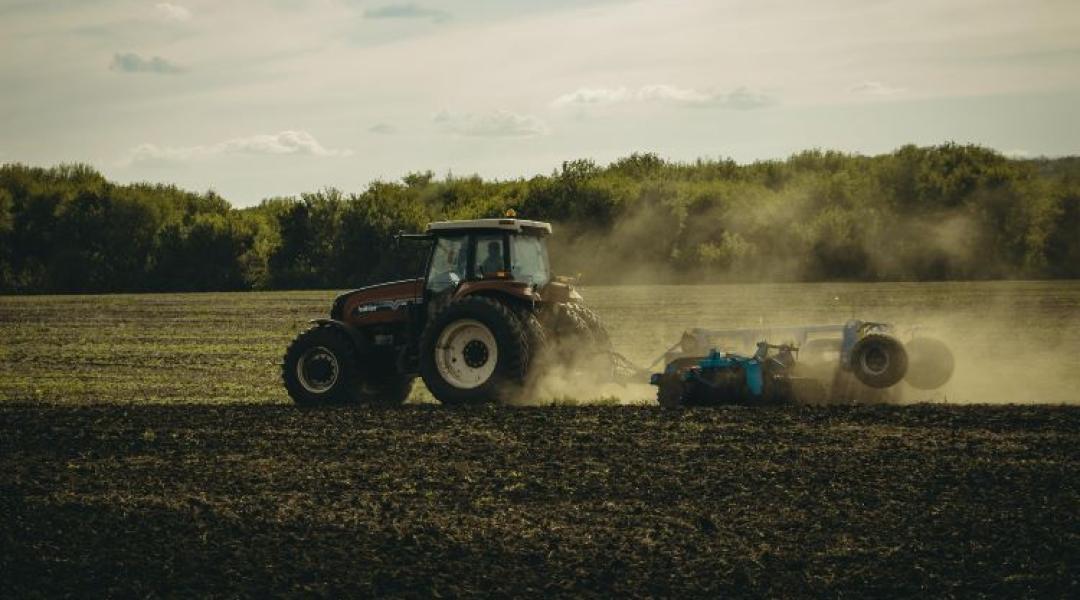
(879,361)
(475,351)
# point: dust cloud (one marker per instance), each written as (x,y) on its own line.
(1007,356)
(789,235)
(572,373)
(1013,342)
(650,276)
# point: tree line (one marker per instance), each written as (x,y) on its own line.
(918,213)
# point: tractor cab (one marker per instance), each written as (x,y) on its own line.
(487,250)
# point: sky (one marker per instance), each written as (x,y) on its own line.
(278,97)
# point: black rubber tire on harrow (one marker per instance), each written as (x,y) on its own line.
(512,360)
(879,361)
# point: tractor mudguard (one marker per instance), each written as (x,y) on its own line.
(359,340)
(515,289)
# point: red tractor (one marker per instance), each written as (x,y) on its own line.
(475,327)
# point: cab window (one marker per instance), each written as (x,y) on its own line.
(529,258)
(490,255)
(448,262)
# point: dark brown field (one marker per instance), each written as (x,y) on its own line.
(147,448)
(932,501)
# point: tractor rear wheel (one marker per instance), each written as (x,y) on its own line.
(476,350)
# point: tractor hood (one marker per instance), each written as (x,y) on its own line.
(383,296)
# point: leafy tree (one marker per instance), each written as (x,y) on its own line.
(943,212)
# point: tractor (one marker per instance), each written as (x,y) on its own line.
(478,325)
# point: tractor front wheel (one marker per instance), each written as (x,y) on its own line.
(320,367)
(323,367)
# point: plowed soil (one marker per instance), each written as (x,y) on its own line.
(248,500)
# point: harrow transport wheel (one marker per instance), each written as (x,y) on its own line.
(320,368)
(476,350)
(879,361)
(930,363)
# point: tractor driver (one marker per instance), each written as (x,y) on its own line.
(493,263)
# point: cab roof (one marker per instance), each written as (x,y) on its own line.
(505,224)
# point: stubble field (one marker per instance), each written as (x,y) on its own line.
(146,448)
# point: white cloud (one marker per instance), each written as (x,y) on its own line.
(382,128)
(673,94)
(281,143)
(875,88)
(740,98)
(173,12)
(745,99)
(592,96)
(129,62)
(407,11)
(500,123)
